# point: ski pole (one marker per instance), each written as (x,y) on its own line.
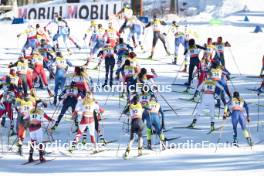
(98,77)
(220,135)
(168,104)
(197,103)
(233,57)
(258,116)
(177,75)
(1,134)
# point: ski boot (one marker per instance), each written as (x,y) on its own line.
(111,84)
(218,103)
(105,84)
(249,141)
(41,156)
(84,140)
(184,69)
(187,84)
(72,147)
(212,128)
(234,141)
(54,126)
(55,100)
(30,158)
(175,60)
(192,125)
(19,145)
(141,47)
(3,121)
(140,151)
(126,153)
(12,133)
(162,142)
(149,145)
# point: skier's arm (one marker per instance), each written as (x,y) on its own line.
(227,44)
(130,47)
(148,25)
(69,63)
(226,110)
(12,64)
(47,117)
(62,93)
(201,47)
(246,108)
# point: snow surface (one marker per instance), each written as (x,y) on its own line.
(247,48)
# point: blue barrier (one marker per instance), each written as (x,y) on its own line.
(144,19)
(18,21)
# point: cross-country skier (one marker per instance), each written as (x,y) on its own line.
(210,51)
(60,74)
(220,46)
(111,35)
(8,98)
(71,95)
(207,88)
(137,125)
(221,75)
(86,109)
(81,79)
(136,30)
(36,133)
(24,106)
(24,73)
(194,51)
(64,32)
(122,50)
(153,120)
(237,107)
(99,41)
(157,25)
(48,52)
(41,34)
(108,54)
(127,14)
(38,71)
(31,41)
(179,40)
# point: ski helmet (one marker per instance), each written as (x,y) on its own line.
(191,42)
(236,94)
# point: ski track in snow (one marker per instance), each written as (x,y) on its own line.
(247,48)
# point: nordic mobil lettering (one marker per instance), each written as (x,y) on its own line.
(80,10)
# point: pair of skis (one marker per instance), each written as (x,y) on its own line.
(38,162)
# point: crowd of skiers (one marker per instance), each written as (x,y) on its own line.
(42,61)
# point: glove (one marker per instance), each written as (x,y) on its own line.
(248,119)
(45,104)
(153,71)
(60,98)
(225,115)
(10,64)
